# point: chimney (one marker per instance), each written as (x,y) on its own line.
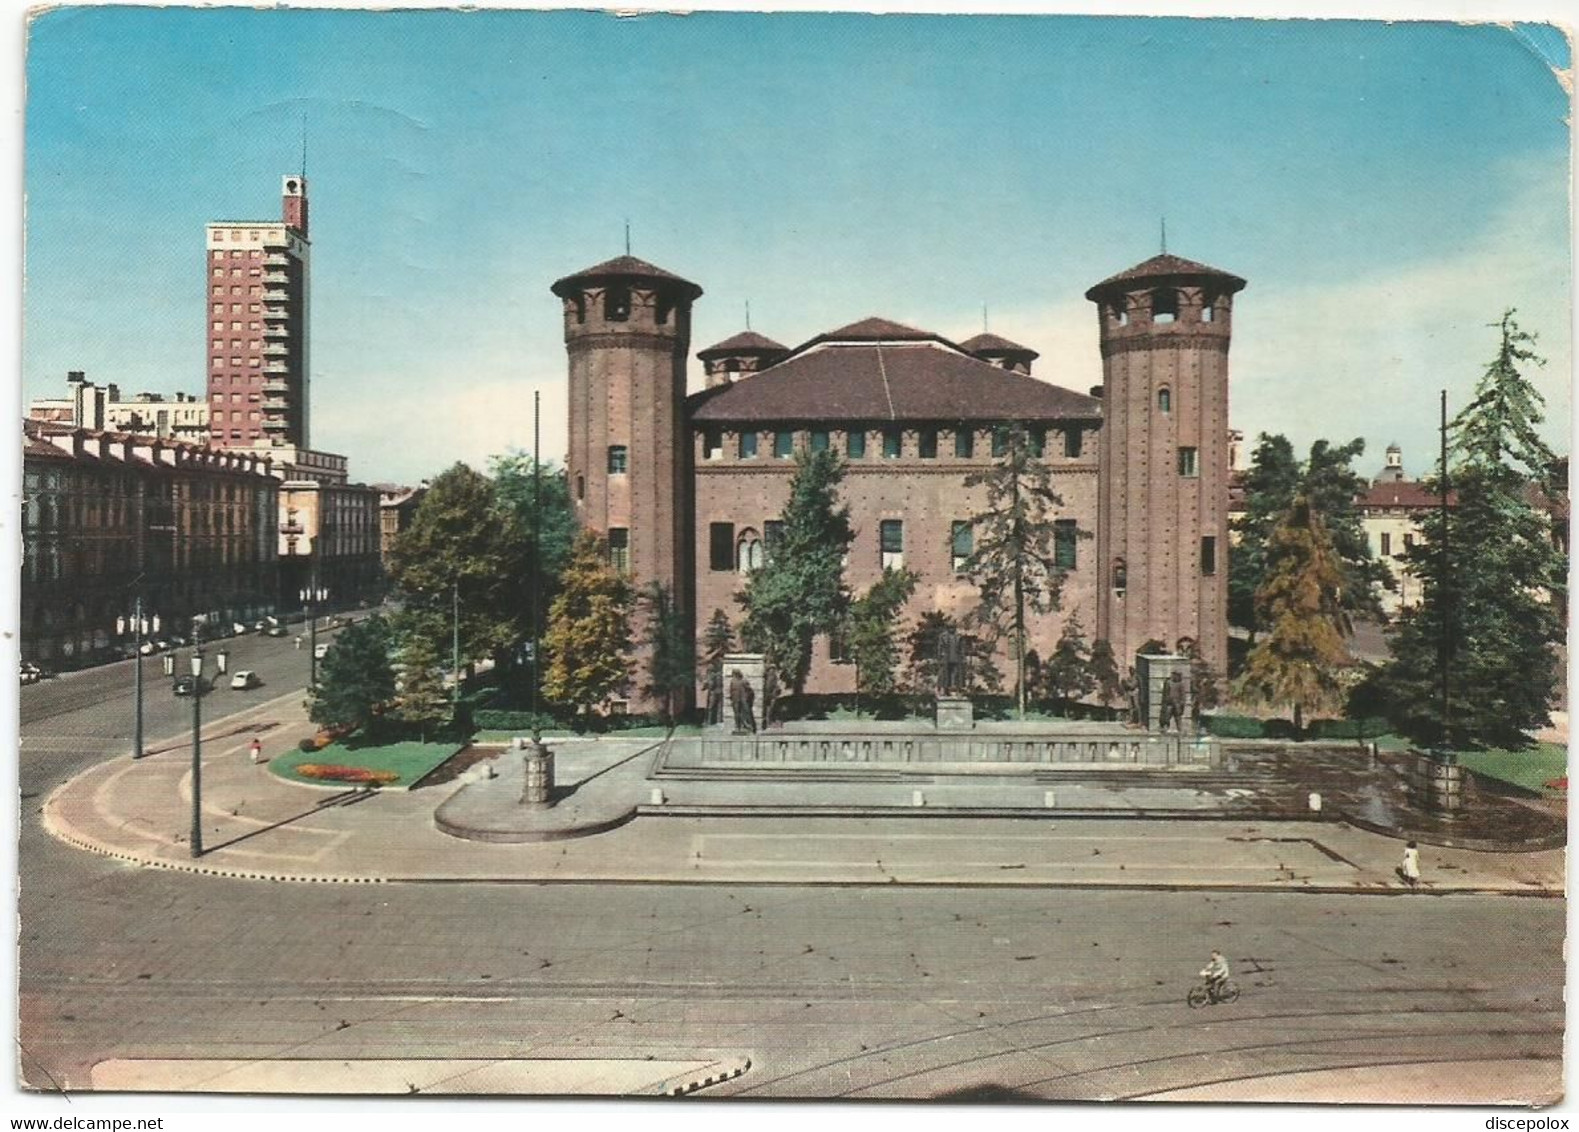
(75,377)
(1096,391)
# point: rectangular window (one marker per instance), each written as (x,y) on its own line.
(619,458)
(819,440)
(783,445)
(617,304)
(772,532)
(838,647)
(855,444)
(1036,440)
(620,549)
(721,546)
(929,444)
(1065,538)
(1188,467)
(1208,554)
(1072,442)
(891,541)
(962,543)
(1409,542)
(748,445)
(713,443)
(893,443)
(1387,543)
(964,443)
(1000,441)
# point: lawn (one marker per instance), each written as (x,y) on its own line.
(1531,769)
(409,760)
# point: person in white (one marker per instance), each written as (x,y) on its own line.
(1215,973)
(1410,870)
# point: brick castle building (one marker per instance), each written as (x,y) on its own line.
(688,488)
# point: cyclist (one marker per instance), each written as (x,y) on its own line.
(1216,974)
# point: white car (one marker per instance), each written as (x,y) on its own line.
(321,651)
(244,681)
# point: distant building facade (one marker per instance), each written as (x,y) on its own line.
(108,517)
(178,416)
(397,506)
(329,543)
(688,490)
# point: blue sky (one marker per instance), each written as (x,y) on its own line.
(1387,189)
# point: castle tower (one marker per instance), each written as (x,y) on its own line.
(1162,522)
(627,332)
(1001,352)
(738,357)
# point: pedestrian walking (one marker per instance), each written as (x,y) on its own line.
(257,750)
(298,642)
(1410,869)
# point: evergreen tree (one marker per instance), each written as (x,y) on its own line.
(1105,675)
(422,701)
(718,639)
(463,548)
(924,668)
(799,591)
(355,678)
(589,632)
(1492,581)
(544,516)
(1302,655)
(1067,675)
(873,618)
(1013,564)
(671,658)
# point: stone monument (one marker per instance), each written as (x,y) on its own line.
(752,667)
(1165,702)
(954,709)
(538,791)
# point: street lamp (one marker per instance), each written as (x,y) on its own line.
(311,596)
(221,658)
(139,627)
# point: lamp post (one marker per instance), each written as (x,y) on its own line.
(220,660)
(139,629)
(311,596)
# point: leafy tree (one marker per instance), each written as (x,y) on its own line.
(464,549)
(1105,675)
(1493,583)
(589,632)
(1012,563)
(799,591)
(543,513)
(1300,659)
(1205,694)
(1067,675)
(422,701)
(671,655)
(873,618)
(1328,480)
(355,678)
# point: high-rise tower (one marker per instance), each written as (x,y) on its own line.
(1162,521)
(257,327)
(628,331)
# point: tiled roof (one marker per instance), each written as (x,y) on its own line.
(1163,267)
(993,344)
(1403,493)
(746,342)
(920,380)
(622,267)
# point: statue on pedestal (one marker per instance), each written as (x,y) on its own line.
(951,662)
(715,694)
(741,700)
(1173,702)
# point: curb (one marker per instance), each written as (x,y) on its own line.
(728,1072)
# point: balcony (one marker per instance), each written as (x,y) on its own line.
(275,349)
(277,260)
(275,279)
(276,367)
(276,297)
(276,405)
(277,331)
(275,385)
(275,425)
(292,528)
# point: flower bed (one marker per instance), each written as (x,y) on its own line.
(359,775)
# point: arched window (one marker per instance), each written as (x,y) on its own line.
(748,551)
(1120,576)
(1165,400)
(617,304)
(1118,314)
(1164,305)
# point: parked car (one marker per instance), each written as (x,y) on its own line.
(188,685)
(31,673)
(321,651)
(244,681)
(276,631)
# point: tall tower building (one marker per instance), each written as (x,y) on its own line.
(628,331)
(1162,521)
(258,327)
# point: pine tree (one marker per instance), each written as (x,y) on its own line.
(1270,484)
(1013,564)
(1493,583)
(422,701)
(1302,655)
(717,640)
(1105,675)
(1067,675)
(671,659)
(589,631)
(799,591)
(873,618)
(923,667)
(355,678)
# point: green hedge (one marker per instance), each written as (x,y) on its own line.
(497,720)
(1234,726)
(1367,728)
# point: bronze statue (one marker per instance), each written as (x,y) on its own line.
(1173,702)
(770,692)
(951,661)
(741,698)
(715,694)
(1131,689)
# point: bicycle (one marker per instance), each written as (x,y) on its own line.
(1202,993)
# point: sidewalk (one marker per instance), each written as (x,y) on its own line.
(257,825)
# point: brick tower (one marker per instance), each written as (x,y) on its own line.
(628,332)
(1162,522)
